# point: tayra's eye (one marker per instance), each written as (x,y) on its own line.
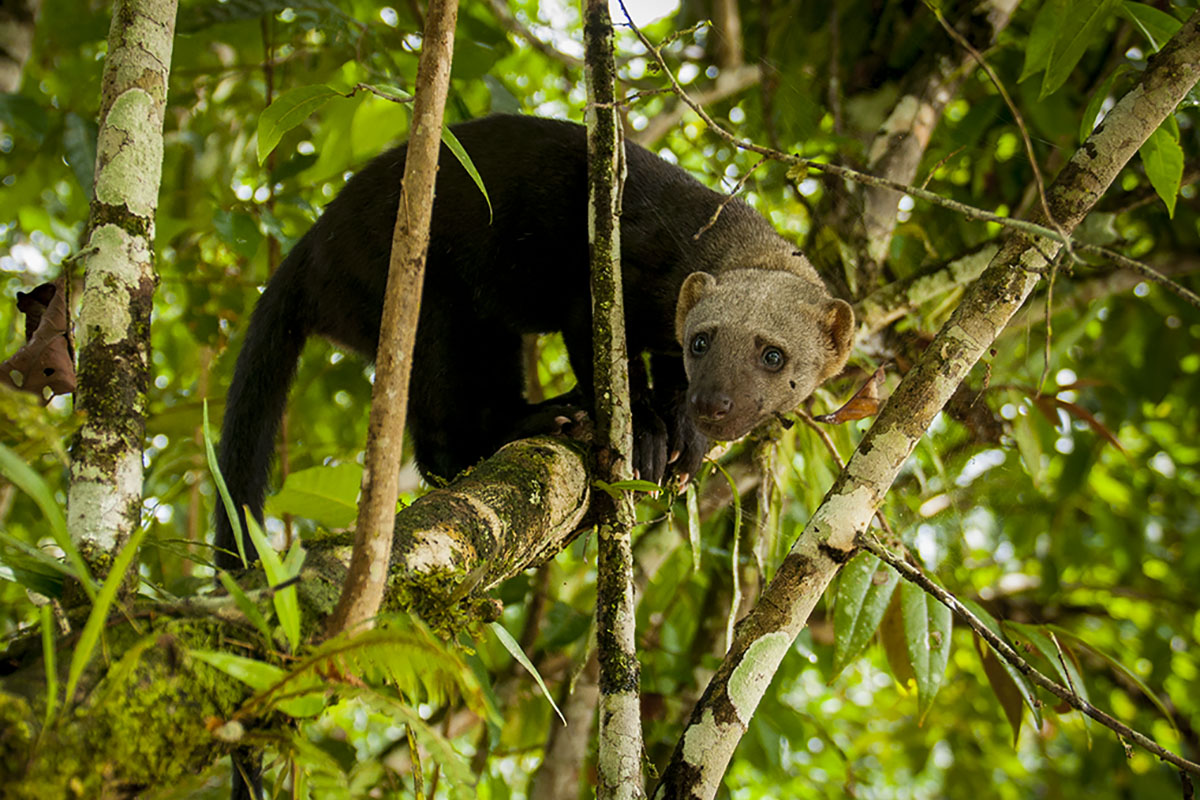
(772,358)
(699,344)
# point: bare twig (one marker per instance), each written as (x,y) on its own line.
(970,212)
(1006,651)
(732,194)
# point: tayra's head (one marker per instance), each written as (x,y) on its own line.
(756,342)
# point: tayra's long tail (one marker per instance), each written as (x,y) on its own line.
(258,396)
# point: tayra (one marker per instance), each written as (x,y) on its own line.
(757,327)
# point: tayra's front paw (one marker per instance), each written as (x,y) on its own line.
(688,447)
(649,445)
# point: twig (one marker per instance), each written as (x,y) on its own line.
(734,193)
(970,212)
(1005,651)
(1008,101)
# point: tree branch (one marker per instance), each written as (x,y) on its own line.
(365,582)
(829,540)
(1005,651)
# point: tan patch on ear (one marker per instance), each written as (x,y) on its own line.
(696,286)
(839,322)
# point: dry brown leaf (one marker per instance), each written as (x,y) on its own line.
(44,365)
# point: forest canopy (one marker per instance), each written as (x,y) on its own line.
(1055,495)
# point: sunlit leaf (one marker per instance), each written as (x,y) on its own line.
(287,111)
(327,495)
(927,625)
(1157,26)
(864,591)
(1163,158)
(1078,29)
(514,649)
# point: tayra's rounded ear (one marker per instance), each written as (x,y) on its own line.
(839,322)
(696,286)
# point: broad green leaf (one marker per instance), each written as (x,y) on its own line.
(514,649)
(636,486)
(222,489)
(1045,31)
(306,700)
(90,636)
(927,625)
(238,230)
(1088,123)
(1018,681)
(326,495)
(451,141)
(245,605)
(19,474)
(289,110)
(1083,22)
(1163,159)
(287,608)
(1119,667)
(1157,26)
(865,588)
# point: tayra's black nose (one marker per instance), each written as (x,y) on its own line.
(710,405)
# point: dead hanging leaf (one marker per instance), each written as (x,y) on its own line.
(44,365)
(865,402)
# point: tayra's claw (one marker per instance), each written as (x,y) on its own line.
(671,459)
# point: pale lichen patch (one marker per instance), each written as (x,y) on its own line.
(752,674)
(130,150)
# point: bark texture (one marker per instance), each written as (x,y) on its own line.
(113,336)
(764,637)
(367,579)
(619,766)
(149,714)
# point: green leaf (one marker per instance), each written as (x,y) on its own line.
(326,495)
(287,111)
(79,148)
(19,474)
(1045,31)
(1157,26)
(90,636)
(864,590)
(245,605)
(1088,123)
(1018,681)
(451,141)
(693,520)
(514,649)
(222,489)
(1163,159)
(927,626)
(1083,22)
(238,230)
(287,607)
(1124,670)
(305,700)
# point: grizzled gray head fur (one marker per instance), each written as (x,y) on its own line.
(757,342)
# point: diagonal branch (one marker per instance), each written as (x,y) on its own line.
(765,636)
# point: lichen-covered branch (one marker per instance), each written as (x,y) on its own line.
(365,582)
(619,765)
(149,714)
(113,336)
(766,634)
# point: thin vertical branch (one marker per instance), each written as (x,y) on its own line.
(620,758)
(367,577)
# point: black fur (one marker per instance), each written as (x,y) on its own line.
(486,285)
